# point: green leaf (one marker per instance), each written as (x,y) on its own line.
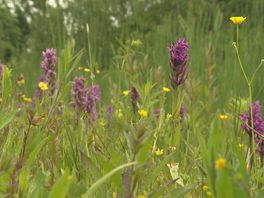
(144,151)
(181,192)
(158,169)
(174,192)
(23,177)
(76,189)
(6,118)
(61,187)
(224,185)
(6,84)
(103,179)
(75,62)
(33,155)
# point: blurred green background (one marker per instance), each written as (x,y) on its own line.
(28,27)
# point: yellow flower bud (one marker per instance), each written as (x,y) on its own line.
(220,163)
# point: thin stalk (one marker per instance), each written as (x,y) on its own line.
(255,72)
(89,51)
(237,36)
(129,180)
(241,65)
(176,106)
(156,136)
(173,112)
(14,186)
(252,142)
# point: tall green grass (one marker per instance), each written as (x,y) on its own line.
(46,154)
(205,25)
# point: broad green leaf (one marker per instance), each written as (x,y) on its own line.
(103,179)
(6,118)
(76,60)
(33,155)
(143,152)
(61,187)
(224,185)
(23,179)
(76,190)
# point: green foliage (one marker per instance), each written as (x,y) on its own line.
(100,181)
(61,187)
(10,35)
(50,149)
(6,117)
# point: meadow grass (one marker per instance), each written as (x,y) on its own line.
(50,149)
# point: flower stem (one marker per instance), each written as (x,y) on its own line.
(252,142)
(249,82)
(255,72)
(237,35)
(241,65)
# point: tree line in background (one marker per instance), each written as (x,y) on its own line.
(28,27)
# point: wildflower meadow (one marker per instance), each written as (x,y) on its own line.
(152,113)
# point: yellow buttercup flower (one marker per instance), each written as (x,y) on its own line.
(102,123)
(26,99)
(237,20)
(159,152)
(173,148)
(43,86)
(21,82)
(143,113)
(220,163)
(141,196)
(86,70)
(126,92)
(136,43)
(241,146)
(223,117)
(114,195)
(205,188)
(169,116)
(119,113)
(166,89)
(209,194)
